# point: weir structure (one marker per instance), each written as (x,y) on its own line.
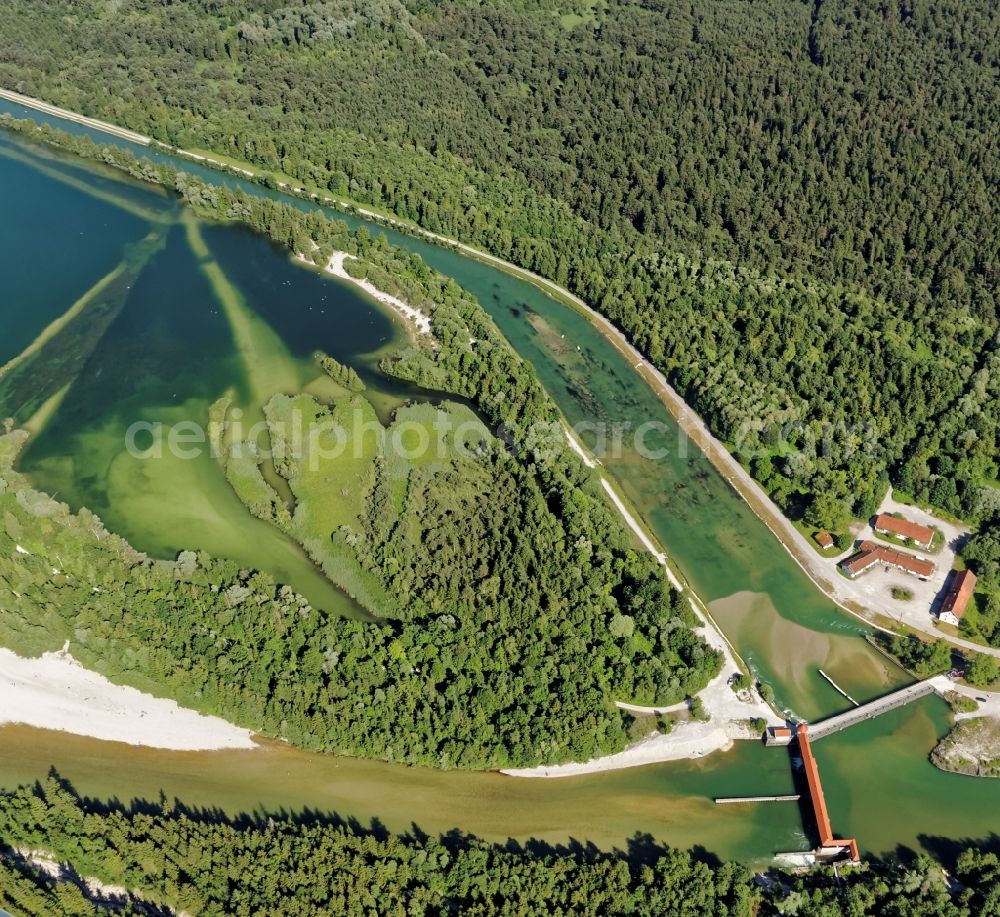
(829,846)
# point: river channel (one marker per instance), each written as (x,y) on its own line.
(169,354)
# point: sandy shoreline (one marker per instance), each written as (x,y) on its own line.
(728,713)
(685,416)
(56,692)
(418,319)
(688,740)
(791,539)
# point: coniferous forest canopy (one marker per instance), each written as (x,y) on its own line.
(173,859)
(791,207)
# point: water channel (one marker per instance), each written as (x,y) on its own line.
(169,354)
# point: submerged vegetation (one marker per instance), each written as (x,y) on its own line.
(499,579)
(510,606)
(800,236)
(54,360)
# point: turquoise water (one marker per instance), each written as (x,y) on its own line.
(165,356)
(784,627)
(169,353)
(68,239)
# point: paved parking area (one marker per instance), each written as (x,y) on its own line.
(874,588)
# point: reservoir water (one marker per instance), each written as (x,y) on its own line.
(169,353)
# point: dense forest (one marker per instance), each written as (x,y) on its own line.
(982,554)
(501,638)
(790,207)
(161,858)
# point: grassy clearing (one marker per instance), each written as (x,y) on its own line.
(246,478)
(330,469)
(585,13)
(449,431)
(809,532)
(327,454)
(336,457)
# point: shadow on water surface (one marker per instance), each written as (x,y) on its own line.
(642,847)
(719,544)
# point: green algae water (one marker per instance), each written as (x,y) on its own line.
(881,788)
(784,628)
(67,238)
(174,347)
(166,355)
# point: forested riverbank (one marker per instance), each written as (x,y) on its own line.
(417,658)
(982,624)
(750,211)
(73,856)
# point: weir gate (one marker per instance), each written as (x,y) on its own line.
(831,848)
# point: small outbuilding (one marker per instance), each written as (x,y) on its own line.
(778,735)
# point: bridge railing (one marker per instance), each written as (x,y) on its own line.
(872,709)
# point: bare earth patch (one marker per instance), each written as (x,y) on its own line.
(972,747)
